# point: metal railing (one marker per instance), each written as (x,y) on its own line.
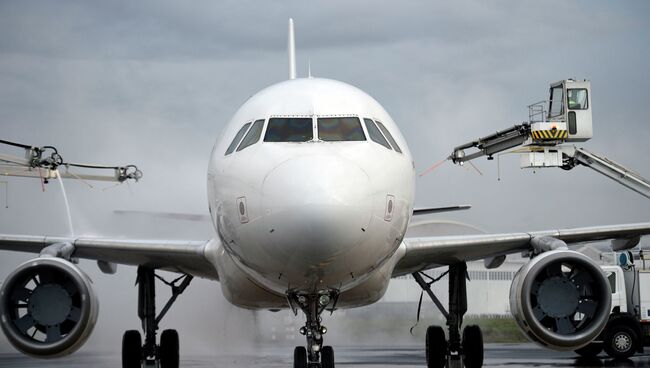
(537,112)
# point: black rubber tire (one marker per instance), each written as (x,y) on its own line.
(472,347)
(327,357)
(615,336)
(169,349)
(300,357)
(131,349)
(590,351)
(436,347)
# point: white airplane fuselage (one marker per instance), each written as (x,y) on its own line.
(313,215)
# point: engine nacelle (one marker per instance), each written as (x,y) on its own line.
(561,299)
(47,307)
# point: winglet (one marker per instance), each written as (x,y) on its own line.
(292,51)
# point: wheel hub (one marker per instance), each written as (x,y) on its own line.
(622,342)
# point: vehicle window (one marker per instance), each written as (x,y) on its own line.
(253,135)
(237,138)
(289,130)
(556,102)
(612,281)
(389,137)
(340,129)
(577,99)
(375,134)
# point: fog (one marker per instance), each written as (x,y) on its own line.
(154,82)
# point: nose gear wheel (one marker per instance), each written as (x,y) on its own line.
(315,354)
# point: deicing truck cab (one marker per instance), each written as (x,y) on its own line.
(628,329)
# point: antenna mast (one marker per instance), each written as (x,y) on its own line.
(292,51)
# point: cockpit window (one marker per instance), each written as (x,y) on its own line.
(289,130)
(340,129)
(389,137)
(253,135)
(375,134)
(237,138)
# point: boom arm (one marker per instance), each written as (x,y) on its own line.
(37,164)
(609,168)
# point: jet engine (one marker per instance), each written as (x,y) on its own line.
(561,299)
(47,307)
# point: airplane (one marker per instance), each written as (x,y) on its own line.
(311,189)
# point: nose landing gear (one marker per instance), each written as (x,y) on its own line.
(315,354)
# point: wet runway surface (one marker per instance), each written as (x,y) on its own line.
(497,355)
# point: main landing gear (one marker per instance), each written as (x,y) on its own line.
(165,355)
(315,354)
(456,351)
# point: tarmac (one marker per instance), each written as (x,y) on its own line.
(496,355)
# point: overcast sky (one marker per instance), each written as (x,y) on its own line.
(154,82)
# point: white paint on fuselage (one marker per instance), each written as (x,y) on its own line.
(315,210)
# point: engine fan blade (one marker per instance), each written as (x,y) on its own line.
(580,277)
(21,295)
(46,276)
(53,333)
(539,313)
(70,287)
(554,269)
(75,314)
(564,326)
(24,323)
(587,307)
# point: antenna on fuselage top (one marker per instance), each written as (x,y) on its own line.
(309,68)
(292,51)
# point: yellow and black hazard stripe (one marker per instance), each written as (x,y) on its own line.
(549,134)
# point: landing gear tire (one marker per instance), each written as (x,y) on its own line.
(620,342)
(436,347)
(327,357)
(131,349)
(590,351)
(169,349)
(300,357)
(473,347)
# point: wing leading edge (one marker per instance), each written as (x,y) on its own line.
(191,257)
(429,252)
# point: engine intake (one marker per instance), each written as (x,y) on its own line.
(561,299)
(47,307)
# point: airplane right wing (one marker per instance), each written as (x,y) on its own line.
(429,252)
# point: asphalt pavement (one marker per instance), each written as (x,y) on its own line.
(496,355)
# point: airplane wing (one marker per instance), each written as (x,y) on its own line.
(191,257)
(429,252)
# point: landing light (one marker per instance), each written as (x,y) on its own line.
(324,300)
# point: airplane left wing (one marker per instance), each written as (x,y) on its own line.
(191,257)
(429,252)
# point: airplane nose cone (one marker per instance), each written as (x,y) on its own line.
(316,208)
